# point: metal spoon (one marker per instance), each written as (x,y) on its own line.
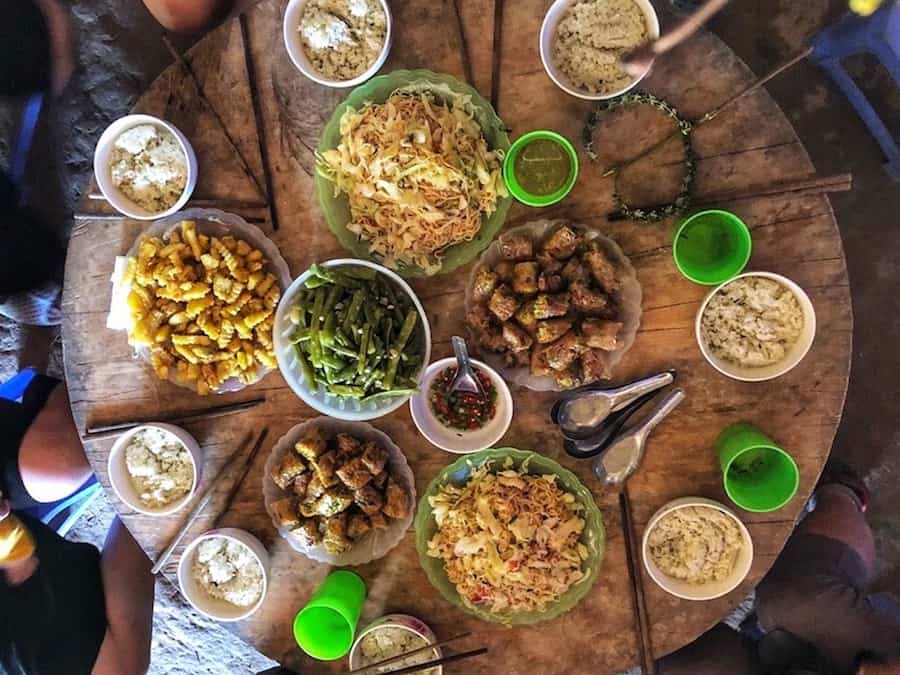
(615,465)
(581,413)
(584,448)
(465,379)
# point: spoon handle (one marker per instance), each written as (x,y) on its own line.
(666,405)
(461,353)
(625,394)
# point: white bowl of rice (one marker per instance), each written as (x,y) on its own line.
(390,636)
(145,167)
(756,326)
(582,40)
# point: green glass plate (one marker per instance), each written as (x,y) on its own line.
(593,536)
(379,89)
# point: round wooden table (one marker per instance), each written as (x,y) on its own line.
(274,116)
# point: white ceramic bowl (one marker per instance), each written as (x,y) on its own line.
(454,440)
(403,622)
(121,480)
(795,353)
(216,608)
(102,154)
(687,591)
(548,38)
(327,404)
(294,46)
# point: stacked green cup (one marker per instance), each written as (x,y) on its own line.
(711,247)
(325,628)
(758,475)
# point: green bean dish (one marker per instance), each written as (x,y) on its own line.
(357,334)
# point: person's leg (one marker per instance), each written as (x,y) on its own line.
(52,462)
(838,515)
(192,16)
(720,650)
(128,589)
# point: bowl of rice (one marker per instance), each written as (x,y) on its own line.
(756,326)
(582,42)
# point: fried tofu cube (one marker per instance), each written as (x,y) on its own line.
(562,353)
(346,444)
(396,500)
(285,513)
(485,283)
(503,303)
(548,263)
(354,473)
(358,525)
(516,247)
(550,306)
(550,282)
(593,365)
(334,501)
(551,330)
(307,531)
(381,479)
(314,488)
(287,470)
(525,317)
(301,483)
(335,539)
(504,270)
(325,466)
(540,366)
(589,301)
(525,278)
(563,243)
(575,271)
(602,268)
(311,446)
(516,338)
(569,379)
(600,334)
(369,500)
(375,458)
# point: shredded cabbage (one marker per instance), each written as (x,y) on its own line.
(418,175)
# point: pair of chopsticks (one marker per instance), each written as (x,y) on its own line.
(208,493)
(841,182)
(107,430)
(642,622)
(449,658)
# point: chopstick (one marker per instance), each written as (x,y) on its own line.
(412,652)
(841,182)
(438,662)
(235,486)
(207,495)
(107,430)
(221,203)
(648,664)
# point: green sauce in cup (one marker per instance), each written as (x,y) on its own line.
(540,168)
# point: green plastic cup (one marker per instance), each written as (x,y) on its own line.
(515,187)
(710,247)
(325,628)
(758,475)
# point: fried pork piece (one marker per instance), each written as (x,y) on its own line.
(593,365)
(324,467)
(503,303)
(504,270)
(287,470)
(333,501)
(369,500)
(335,539)
(550,330)
(540,365)
(525,317)
(588,301)
(346,444)
(381,479)
(550,282)
(600,334)
(358,525)
(396,500)
(602,268)
(562,353)
(563,243)
(525,278)
(301,483)
(548,263)
(285,512)
(516,247)
(379,522)
(485,283)
(354,473)
(311,446)
(308,532)
(516,338)
(575,270)
(549,306)
(374,457)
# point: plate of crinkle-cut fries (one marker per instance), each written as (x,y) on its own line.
(202,288)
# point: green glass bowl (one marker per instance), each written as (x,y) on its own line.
(512,182)
(593,536)
(379,89)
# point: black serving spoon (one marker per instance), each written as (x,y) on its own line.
(606,433)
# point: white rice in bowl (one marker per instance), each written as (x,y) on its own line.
(149,167)
(159,467)
(228,570)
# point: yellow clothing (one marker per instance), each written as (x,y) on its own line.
(16,543)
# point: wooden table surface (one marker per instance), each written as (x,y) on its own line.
(244,62)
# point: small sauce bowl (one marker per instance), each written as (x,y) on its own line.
(512,182)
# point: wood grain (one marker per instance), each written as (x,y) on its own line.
(747,145)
